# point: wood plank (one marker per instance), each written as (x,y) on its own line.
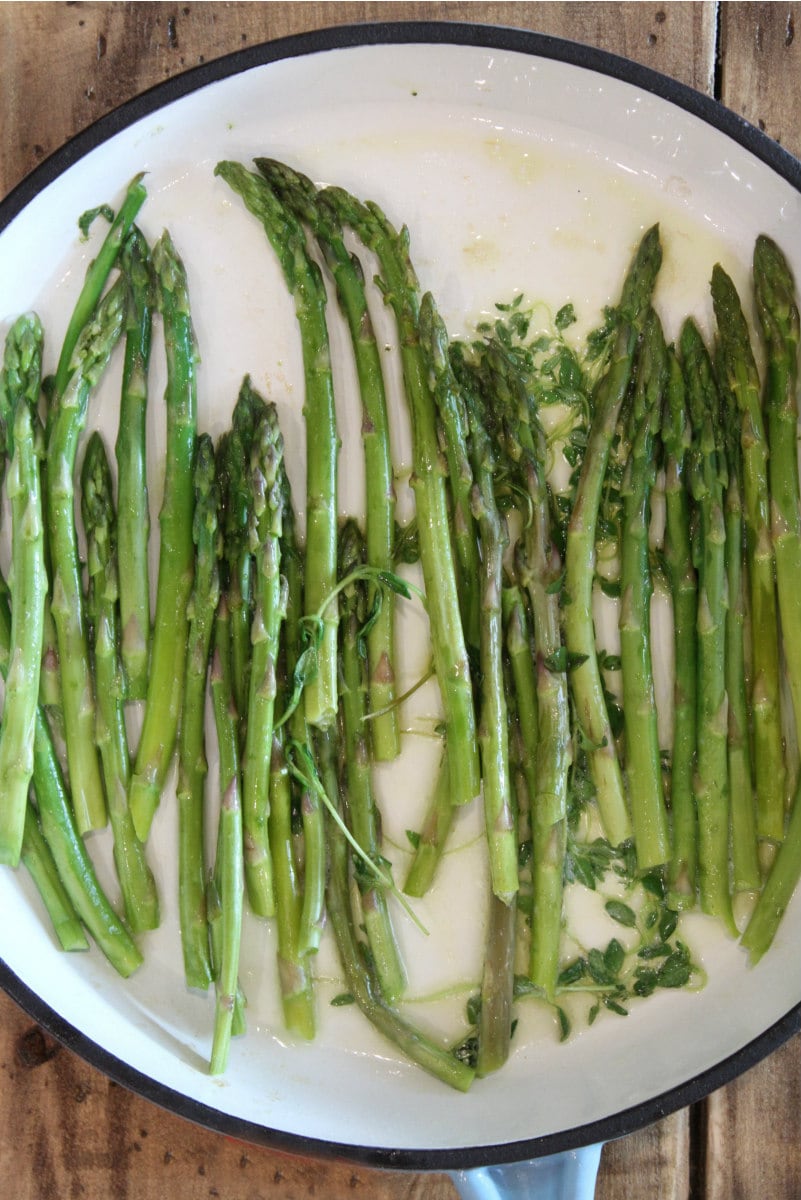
(752,1144)
(654,1162)
(761,67)
(67,1130)
(753,1131)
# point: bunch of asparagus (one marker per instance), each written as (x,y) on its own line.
(293,641)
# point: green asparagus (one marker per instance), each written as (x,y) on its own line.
(176,552)
(20,382)
(579,631)
(133,513)
(192,761)
(304,280)
(136,880)
(67,419)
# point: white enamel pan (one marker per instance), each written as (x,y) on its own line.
(519,163)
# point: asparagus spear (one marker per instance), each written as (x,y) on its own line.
(643,763)
(41,867)
(136,880)
(270,597)
(777,308)
(492,730)
(522,685)
(579,631)
(778,889)
(294,973)
(229,867)
(67,419)
(300,194)
(741,375)
(707,480)
(133,513)
(312,915)
(433,836)
(192,763)
(96,278)
(363,985)
(304,280)
(538,567)
(364,817)
(73,864)
(453,423)
(176,552)
(234,456)
(676,439)
(20,383)
(401,291)
(497,988)
(746,875)
(778,314)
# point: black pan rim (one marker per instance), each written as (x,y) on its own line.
(506,38)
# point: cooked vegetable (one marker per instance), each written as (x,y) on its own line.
(66,421)
(176,552)
(136,880)
(20,382)
(285,632)
(585,677)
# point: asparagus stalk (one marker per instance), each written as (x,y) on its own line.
(20,383)
(682,578)
(312,916)
(579,630)
(300,194)
(40,865)
(454,426)
(294,973)
(433,836)
(234,467)
(270,597)
(364,987)
(192,763)
(73,864)
(746,875)
(521,656)
(75,867)
(492,730)
(741,375)
(133,512)
(67,419)
(229,867)
(363,814)
(707,480)
(497,988)
(643,763)
(546,710)
(777,308)
(401,291)
(96,278)
(778,889)
(176,552)
(136,880)
(304,281)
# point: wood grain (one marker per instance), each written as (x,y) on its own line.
(65,1130)
(761,67)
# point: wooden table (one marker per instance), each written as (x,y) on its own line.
(65,1130)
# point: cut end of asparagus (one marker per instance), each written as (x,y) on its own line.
(143,800)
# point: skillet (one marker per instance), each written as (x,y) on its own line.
(366,107)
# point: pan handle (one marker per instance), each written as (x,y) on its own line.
(570,1175)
